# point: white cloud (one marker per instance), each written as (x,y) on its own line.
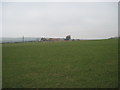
(0,19)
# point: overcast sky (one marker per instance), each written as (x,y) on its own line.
(80,20)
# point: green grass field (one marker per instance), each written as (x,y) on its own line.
(74,64)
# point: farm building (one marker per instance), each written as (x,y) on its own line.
(56,39)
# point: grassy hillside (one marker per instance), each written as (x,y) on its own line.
(74,64)
(0,66)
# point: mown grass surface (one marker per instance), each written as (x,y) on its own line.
(0,66)
(74,64)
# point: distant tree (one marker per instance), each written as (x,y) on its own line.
(43,39)
(23,39)
(68,37)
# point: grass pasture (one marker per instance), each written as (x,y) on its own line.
(74,64)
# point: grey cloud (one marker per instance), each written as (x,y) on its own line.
(81,20)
